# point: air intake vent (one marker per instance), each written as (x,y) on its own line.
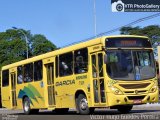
(136,97)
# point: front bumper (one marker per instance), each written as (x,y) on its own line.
(114,100)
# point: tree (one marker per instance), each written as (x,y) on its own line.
(152,31)
(13,46)
(40,44)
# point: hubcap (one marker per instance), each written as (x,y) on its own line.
(26,106)
(83,104)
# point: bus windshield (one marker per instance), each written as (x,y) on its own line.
(130,64)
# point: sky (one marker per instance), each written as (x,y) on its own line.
(66,21)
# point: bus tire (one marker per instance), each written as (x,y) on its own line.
(125,108)
(82,105)
(26,106)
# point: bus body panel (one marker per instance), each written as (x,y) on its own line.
(6,102)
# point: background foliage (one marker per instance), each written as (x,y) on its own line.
(152,31)
(13,45)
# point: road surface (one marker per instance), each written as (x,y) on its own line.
(139,112)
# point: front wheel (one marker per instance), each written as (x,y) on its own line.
(82,105)
(125,108)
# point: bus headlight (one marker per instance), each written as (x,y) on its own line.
(153,89)
(116,90)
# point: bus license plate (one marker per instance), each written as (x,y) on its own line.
(137,101)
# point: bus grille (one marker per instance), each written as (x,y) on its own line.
(134,86)
(138,92)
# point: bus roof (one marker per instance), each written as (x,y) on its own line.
(66,49)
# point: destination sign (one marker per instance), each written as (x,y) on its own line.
(128,42)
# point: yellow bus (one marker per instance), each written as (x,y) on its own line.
(116,72)
(158,70)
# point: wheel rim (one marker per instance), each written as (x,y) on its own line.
(83,104)
(26,106)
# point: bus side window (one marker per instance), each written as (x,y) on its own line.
(94,70)
(57,70)
(20,74)
(100,64)
(66,64)
(28,72)
(81,61)
(38,70)
(5,78)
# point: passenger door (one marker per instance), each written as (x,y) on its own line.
(98,79)
(49,73)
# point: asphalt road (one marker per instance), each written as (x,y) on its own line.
(141,112)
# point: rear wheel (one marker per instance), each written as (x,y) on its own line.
(82,105)
(26,107)
(125,108)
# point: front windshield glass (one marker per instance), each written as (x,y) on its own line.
(130,64)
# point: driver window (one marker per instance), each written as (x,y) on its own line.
(143,65)
(144,59)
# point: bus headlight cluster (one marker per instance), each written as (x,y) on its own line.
(153,89)
(116,90)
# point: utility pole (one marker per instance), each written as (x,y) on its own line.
(25,36)
(95,19)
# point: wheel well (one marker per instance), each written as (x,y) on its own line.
(24,97)
(79,92)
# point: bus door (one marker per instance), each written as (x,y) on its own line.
(13,89)
(98,79)
(50,83)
